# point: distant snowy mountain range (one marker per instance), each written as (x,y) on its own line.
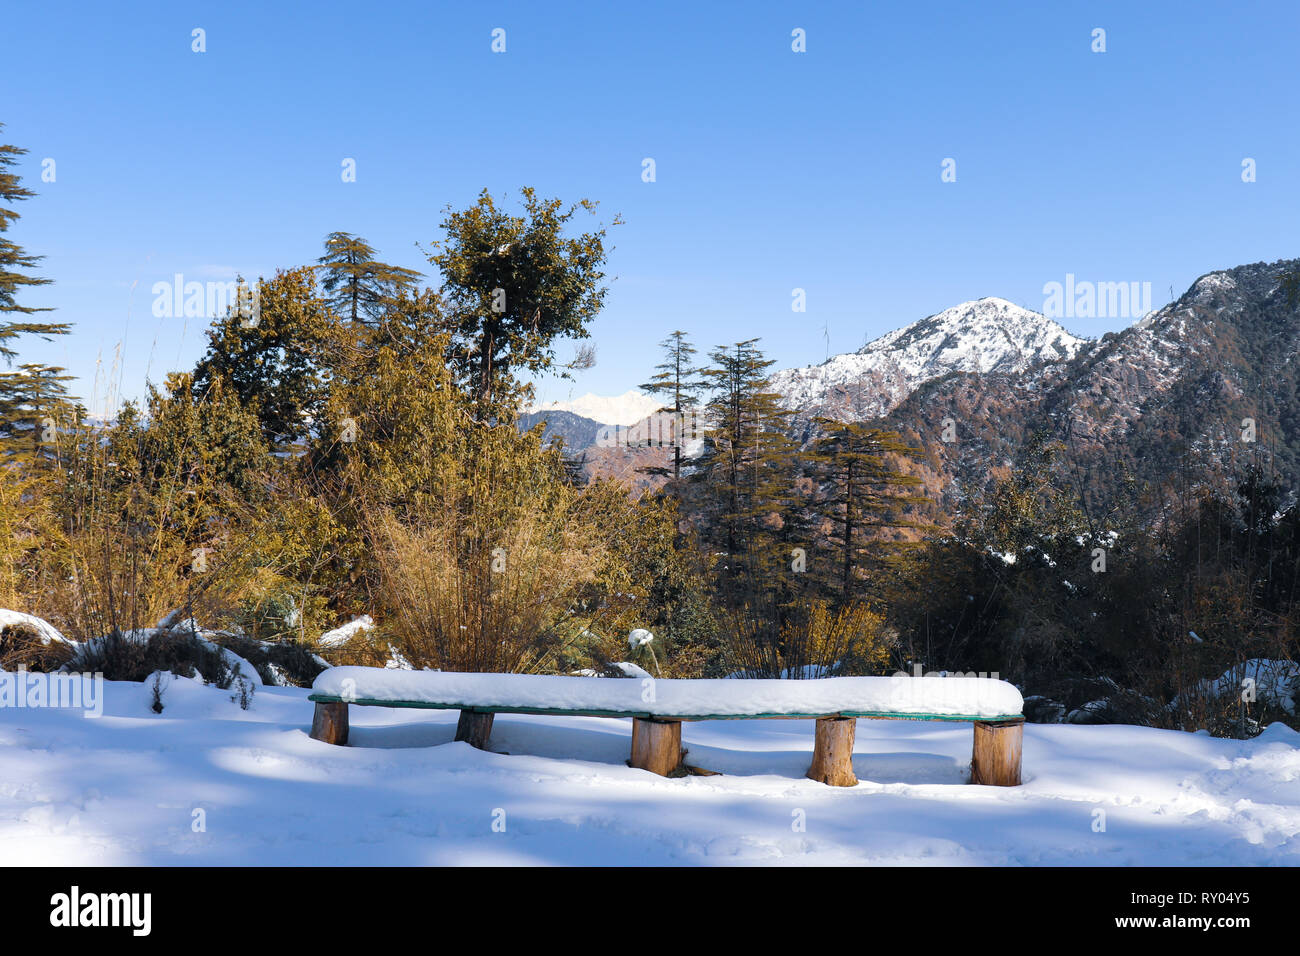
(1209,379)
(983,336)
(626,409)
(1204,385)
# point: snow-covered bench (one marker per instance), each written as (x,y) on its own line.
(658,707)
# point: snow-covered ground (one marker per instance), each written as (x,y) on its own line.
(133,787)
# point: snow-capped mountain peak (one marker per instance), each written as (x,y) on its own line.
(627,409)
(985,335)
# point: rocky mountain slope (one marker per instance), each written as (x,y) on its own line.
(1176,393)
(987,336)
(576,431)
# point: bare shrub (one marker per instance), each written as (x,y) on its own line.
(503,595)
(157,687)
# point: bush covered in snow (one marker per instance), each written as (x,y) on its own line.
(27,641)
(177,646)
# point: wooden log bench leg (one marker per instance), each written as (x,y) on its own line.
(330,722)
(996,760)
(656,745)
(832,761)
(474,727)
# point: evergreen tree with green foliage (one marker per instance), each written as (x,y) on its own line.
(747,464)
(677,380)
(513,285)
(277,361)
(358,285)
(1034,508)
(36,411)
(34,396)
(860,490)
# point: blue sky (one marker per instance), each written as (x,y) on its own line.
(774,169)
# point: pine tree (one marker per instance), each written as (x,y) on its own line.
(35,393)
(358,285)
(747,463)
(678,381)
(35,410)
(861,491)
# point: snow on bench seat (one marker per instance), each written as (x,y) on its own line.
(931,696)
(658,707)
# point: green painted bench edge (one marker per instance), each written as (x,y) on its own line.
(646,715)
